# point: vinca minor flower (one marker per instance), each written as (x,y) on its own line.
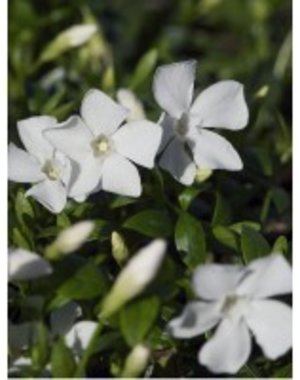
(102,150)
(237,299)
(47,169)
(187,141)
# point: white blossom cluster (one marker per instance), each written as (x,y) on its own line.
(98,150)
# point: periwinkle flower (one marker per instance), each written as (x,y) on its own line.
(238,301)
(47,169)
(187,142)
(103,151)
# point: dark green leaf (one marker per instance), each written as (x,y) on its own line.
(87,282)
(227,237)
(151,223)
(187,196)
(281,245)
(137,318)
(62,361)
(253,244)
(190,238)
(222,214)
(237,227)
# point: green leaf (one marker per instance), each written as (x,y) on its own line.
(19,239)
(281,199)
(190,238)
(227,237)
(222,214)
(40,350)
(62,361)
(281,245)
(153,223)
(137,318)
(23,207)
(121,201)
(238,227)
(144,68)
(253,244)
(187,196)
(87,282)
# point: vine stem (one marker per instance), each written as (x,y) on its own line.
(88,352)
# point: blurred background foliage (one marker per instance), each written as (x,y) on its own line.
(230,217)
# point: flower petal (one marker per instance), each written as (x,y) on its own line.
(101,114)
(132,103)
(80,335)
(62,319)
(26,265)
(167,123)
(267,277)
(177,162)
(271,323)
(120,176)
(196,318)
(229,349)
(212,151)
(173,87)
(31,133)
(221,105)
(72,138)
(51,194)
(22,167)
(139,141)
(214,281)
(86,177)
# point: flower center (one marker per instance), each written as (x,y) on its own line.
(235,306)
(101,146)
(181,126)
(52,171)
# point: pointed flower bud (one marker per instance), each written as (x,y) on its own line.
(134,278)
(136,361)
(70,239)
(119,248)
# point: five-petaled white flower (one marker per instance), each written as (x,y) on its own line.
(236,299)
(102,150)
(47,169)
(187,142)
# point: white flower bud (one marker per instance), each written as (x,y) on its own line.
(135,107)
(136,361)
(136,275)
(79,34)
(72,238)
(119,249)
(26,265)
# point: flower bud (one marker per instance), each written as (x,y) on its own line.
(135,107)
(202,175)
(136,361)
(119,248)
(135,276)
(72,37)
(70,239)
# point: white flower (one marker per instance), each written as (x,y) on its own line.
(72,238)
(130,101)
(186,141)
(135,276)
(104,151)
(25,265)
(47,169)
(237,300)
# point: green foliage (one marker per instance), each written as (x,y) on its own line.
(190,239)
(231,217)
(62,360)
(137,318)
